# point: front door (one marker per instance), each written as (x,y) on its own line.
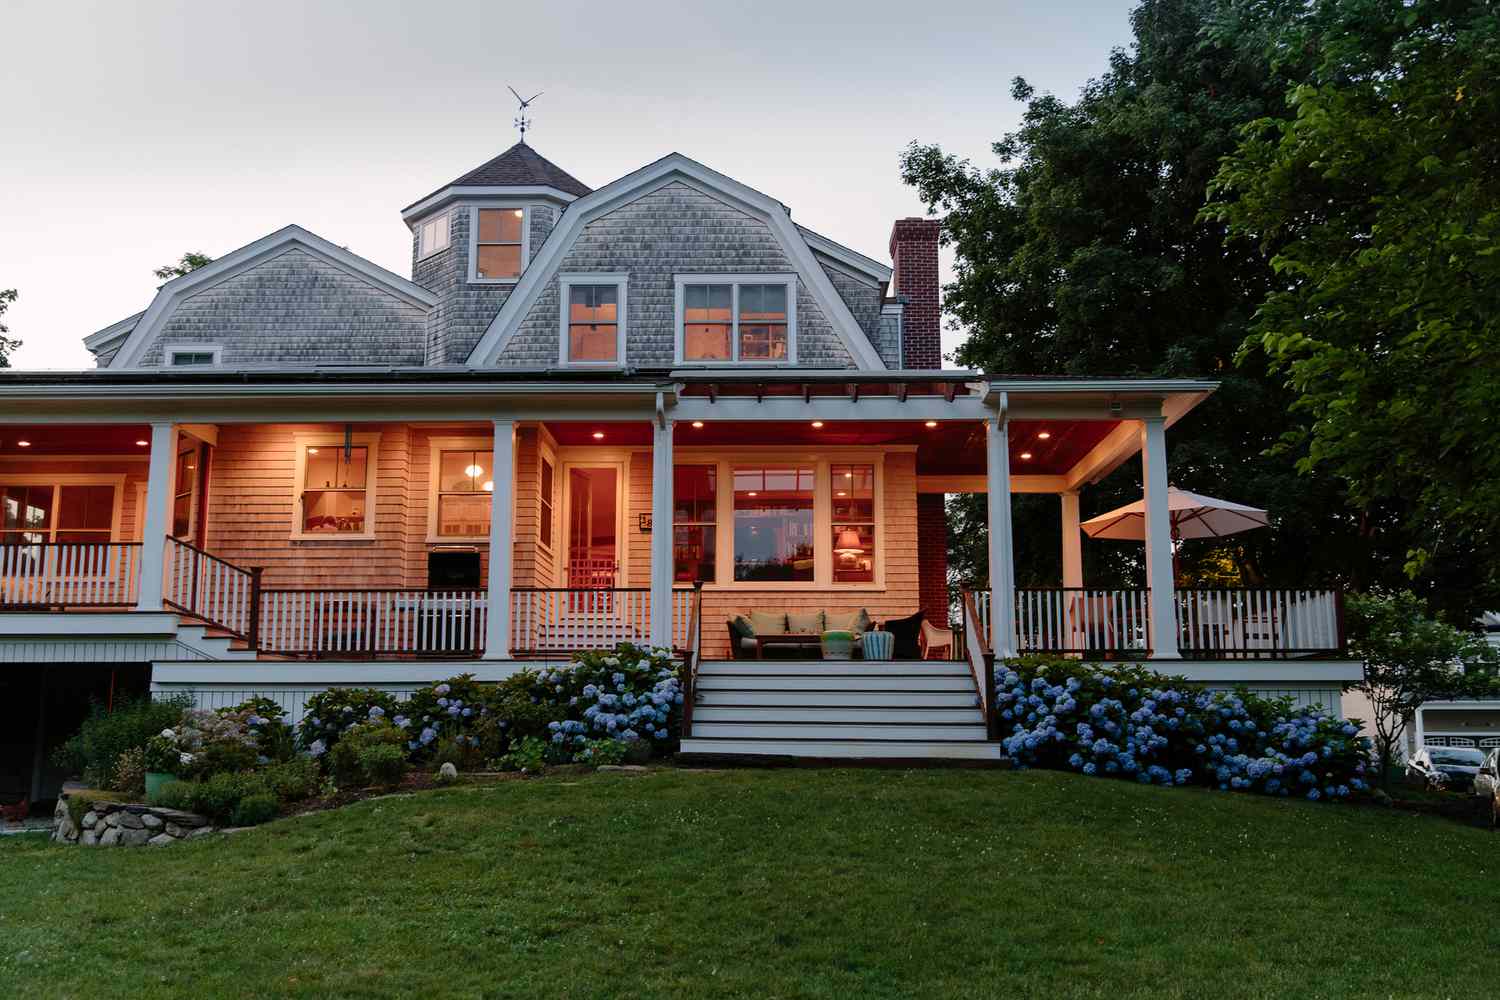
(593,553)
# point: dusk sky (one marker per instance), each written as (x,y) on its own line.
(134,132)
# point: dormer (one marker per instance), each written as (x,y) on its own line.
(474,237)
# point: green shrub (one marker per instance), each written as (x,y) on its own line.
(460,753)
(453,720)
(176,795)
(223,756)
(597,752)
(293,780)
(254,809)
(382,764)
(82,800)
(265,721)
(330,714)
(344,759)
(94,750)
(529,755)
(129,776)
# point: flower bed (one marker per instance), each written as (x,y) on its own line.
(1127,722)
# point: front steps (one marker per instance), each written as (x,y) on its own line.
(845,710)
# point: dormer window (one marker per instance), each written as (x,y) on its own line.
(432,236)
(737,319)
(592,331)
(499,244)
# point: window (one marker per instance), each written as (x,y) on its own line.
(195,355)
(593,319)
(432,236)
(773,523)
(741,318)
(695,501)
(546,495)
(500,244)
(56,512)
(335,490)
(464,487)
(852,489)
(182,492)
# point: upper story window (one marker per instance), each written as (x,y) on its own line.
(592,331)
(499,244)
(194,355)
(745,319)
(432,236)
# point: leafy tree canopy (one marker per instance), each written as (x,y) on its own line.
(189,262)
(7,296)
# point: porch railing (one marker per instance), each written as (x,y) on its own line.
(692,658)
(1211,624)
(53,575)
(981,660)
(212,589)
(556,620)
(373,622)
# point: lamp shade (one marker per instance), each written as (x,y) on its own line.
(848,542)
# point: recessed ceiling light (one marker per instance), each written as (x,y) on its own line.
(930,423)
(312,451)
(143,444)
(752,493)
(1025,456)
(697,423)
(842,493)
(23,444)
(598,435)
(817,423)
(1043,435)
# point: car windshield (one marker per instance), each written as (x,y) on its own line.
(1454,756)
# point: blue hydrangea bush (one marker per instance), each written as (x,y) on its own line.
(458,712)
(631,693)
(1127,722)
(332,713)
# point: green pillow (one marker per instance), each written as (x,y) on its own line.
(857,622)
(808,624)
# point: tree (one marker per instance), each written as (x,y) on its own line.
(1410,659)
(189,262)
(1378,207)
(7,296)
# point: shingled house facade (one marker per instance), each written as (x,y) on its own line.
(657,411)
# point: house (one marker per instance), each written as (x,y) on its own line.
(588,415)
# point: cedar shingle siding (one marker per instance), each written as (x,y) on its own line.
(675,229)
(296,309)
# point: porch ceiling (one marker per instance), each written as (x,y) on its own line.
(74,439)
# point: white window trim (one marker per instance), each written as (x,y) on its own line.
(681,281)
(301,441)
(447,220)
(474,278)
(822,462)
(172,350)
(61,479)
(565,283)
(437,446)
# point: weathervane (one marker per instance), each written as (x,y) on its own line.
(522,122)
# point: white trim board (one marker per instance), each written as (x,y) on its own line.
(246,257)
(672,168)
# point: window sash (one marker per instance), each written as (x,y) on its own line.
(339,506)
(695,528)
(434,235)
(748,327)
(490,231)
(545,489)
(593,323)
(464,488)
(775,519)
(44,512)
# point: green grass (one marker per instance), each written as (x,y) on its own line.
(807,883)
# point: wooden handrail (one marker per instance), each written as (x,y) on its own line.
(692,656)
(981,665)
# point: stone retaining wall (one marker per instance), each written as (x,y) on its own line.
(126,824)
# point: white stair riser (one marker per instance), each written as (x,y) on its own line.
(821,668)
(825,731)
(850,699)
(750,682)
(847,749)
(775,713)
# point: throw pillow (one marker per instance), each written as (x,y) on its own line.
(905,631)
(768,622)
(805,624)
(857,622)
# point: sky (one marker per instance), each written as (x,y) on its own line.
(133,132)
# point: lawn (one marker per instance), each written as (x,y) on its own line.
(784,883)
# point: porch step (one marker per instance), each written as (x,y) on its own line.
(826,682)
(838,697)
(838,730)
(900,714)
(833,668)
(840,749)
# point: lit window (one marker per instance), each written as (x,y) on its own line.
(463,501)
(773,523)
(593,323)
(749,321)
(499,246)
(853,535)
(546,491)
(335,488)
(432,236)
(55,513)
(694,515)
(182,493)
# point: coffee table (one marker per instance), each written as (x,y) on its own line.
(787,639)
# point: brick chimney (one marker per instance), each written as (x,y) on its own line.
(914,255)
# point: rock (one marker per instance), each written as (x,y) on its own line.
(448,771)
(200,832)
(89,839)
(1380,798)
(160,840)
(181,818)
(151,822)
(127,821)
(173,830)
(111,837)
(134,838)
(89,819)
(65,828)
(112,820)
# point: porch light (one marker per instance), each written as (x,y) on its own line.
(143,444)
(752,493)
(312,451)
(23,444)
(841,493)
(598,435)
(1025,456)
(698,423)
(817,423)
(1043,435)
(930,424)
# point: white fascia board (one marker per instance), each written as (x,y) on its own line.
(1138,386)
(411,213)
(319,674)
(852,259)
(96,342)
(674,167)
(1332,672)
(75,624)
(248,256)
(1470,705)
(868,408)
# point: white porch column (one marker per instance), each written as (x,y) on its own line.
(1159,576)
(502,541)
(157,522)
(1072,542)
(661,532)
(1002,543)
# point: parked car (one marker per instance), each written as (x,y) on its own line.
(1487,789)
(1451,769)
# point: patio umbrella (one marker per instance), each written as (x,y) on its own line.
(1193,516)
